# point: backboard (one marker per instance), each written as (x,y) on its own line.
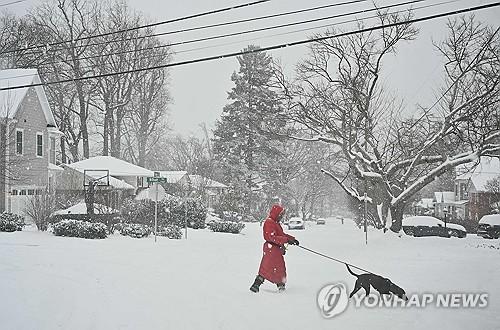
(101,177)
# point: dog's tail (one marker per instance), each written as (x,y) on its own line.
(350,271)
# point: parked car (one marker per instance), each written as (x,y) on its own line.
(296,223)
(456,230)
(423,225)
(489,226)
(320,221)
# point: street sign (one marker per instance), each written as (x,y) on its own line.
(156,180)
(156,193)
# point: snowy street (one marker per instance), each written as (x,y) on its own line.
(53,282)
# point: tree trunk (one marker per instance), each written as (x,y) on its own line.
(64,159)
(105,149)
(397,218)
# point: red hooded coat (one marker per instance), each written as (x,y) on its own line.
(272,266)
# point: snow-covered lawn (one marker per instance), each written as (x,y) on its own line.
(50,282)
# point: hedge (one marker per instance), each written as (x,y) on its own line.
(10,222)
(226,227)
(78,228)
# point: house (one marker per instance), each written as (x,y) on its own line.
(471,189)
(210,190)
(111,191)
(177,182)
(29,135)
(180,183)
(444,204)
(119,169)
(425,206)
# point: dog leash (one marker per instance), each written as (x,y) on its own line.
(335,259)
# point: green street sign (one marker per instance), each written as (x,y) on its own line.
(156,180)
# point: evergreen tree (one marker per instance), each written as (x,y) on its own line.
(243,138)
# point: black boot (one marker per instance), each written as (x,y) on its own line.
(256,284)
(281,287)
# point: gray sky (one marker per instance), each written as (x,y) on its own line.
(200,90)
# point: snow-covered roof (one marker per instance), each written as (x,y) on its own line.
(426,202)
(116,167)
(113,182)
(173,176)
(11,99)
(81,208)
(198,180)
(491,219)
(54,167)
(444,196)
(149,193)
(486,170)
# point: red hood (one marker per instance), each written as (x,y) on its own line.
(275,211)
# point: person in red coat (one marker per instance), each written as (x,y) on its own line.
(272,266)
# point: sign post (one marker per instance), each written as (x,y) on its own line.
(155,181)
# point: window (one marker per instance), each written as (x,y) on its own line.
(14,192)
(22,192)
(39,144)
(19,141)
(52,150)
(31,192)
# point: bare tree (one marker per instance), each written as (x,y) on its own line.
(67,22)
(338,99)
(40,207)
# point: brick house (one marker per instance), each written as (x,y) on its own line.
(472,192)
(28,139)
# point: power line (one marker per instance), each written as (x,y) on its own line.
(11,3)
(269,48)
(263,17)
(234,22)
(211,12)
(244,32)
(322,26)
(252,39)
(314,28)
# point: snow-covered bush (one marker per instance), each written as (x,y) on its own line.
(196,213)
(226,227)
(78,228)
(11,222)
(171,231)
(171,211)
(141,212)
(137,230)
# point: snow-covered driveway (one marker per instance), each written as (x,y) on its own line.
(50,282)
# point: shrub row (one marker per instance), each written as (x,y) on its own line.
(11,222)
(171,231)
(226,227)
(78,228)
(136,230)
(171,211)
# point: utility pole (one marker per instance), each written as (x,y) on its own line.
(156,209)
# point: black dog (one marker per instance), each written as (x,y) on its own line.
(381,284)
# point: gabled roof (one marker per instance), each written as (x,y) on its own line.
(11,99)
(198,180)
(113,182)
(486,170)
(116,167)
(173,176)
(81,208)
(444,196)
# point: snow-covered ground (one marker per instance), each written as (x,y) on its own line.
(50,282)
